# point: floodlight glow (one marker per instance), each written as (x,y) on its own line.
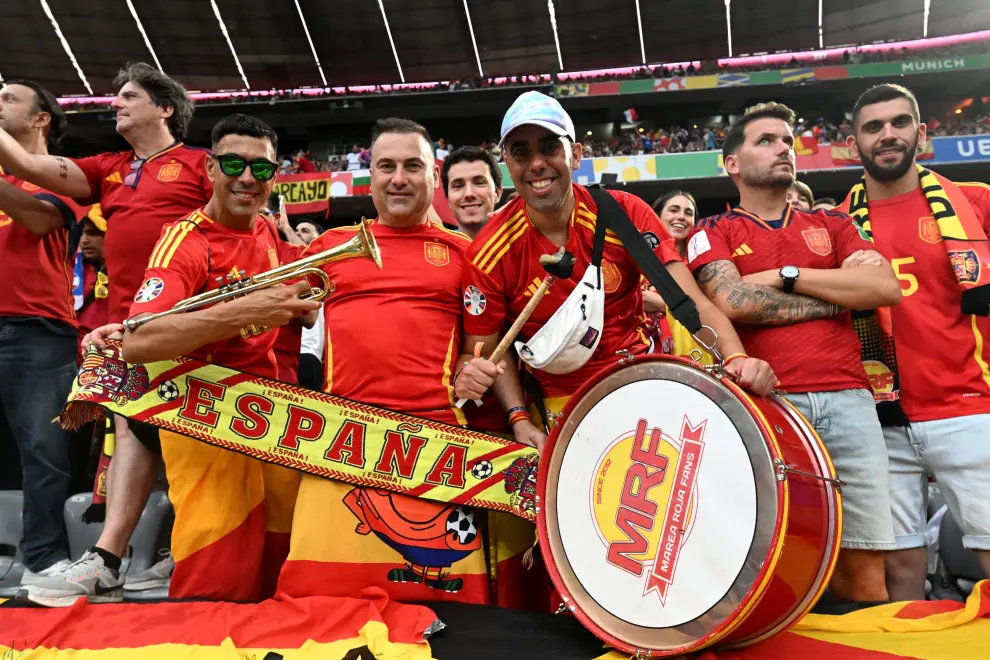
(223,28)
(65,45)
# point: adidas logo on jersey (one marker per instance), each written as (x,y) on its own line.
(533,287)
(115,178)
(742,250)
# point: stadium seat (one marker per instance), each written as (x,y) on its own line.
(11,530)
(144,545)
(962,565)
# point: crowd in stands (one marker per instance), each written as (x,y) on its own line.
(850,56)
(661,140)
(959,124)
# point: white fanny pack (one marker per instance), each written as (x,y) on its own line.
(567,340)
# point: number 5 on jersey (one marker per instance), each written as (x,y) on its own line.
(905,278)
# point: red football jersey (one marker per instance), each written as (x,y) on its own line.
(188,258)
(168,186)
(814,356)
(393,335)
(505,272)
(36,271)
(286,350)
(942,355)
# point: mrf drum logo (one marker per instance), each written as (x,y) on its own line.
(644,498)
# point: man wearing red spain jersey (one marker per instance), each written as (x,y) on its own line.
(392,338)
(37,326)
(551,212)
(228,534)
(787,277)
(157,182)
(932,383)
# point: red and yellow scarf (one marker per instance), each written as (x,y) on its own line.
(966,247)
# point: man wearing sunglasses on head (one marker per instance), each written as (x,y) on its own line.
(158,181)
(228,540)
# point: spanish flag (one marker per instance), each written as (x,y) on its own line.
(322,628)
(306,628)
(922,630)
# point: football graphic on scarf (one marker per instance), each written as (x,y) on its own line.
(461,522)
(482,470)
(168,391)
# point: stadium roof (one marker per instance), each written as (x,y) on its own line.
(75,47)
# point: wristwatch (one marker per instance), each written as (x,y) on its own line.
(789,274)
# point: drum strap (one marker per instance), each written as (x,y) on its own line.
(532,387)
(680,305)
(315,433)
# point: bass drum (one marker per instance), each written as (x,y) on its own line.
(678,513)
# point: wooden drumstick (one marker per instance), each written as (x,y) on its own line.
(558,266)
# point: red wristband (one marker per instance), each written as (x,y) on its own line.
(517,416)
(731,358)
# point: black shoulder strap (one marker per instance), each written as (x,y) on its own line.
(599,245)
(679,304)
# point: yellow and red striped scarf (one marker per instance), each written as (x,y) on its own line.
(962,235)
(967,249)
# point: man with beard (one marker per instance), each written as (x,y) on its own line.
(787,278)
(928,355)
(553,212)
(157,181)
(37,326)
(232,511)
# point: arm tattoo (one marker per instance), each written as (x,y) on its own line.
(760,305)
(63,168)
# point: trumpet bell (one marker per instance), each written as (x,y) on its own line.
(362,245)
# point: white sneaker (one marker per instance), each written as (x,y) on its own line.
(88,577)
(155,577)
(30,577)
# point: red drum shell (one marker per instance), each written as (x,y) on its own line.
(796,525)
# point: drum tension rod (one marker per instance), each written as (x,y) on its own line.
(625,357)
(782,469)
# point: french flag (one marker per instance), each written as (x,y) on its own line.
(631,115)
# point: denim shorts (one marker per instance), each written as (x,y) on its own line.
(956,451)
(846,421)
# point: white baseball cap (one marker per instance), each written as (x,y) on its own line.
(540,110)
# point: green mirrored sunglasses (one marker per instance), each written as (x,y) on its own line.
(234,165)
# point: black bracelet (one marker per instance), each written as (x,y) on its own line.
(514,409)
(458,373)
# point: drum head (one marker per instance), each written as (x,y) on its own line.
(661,506)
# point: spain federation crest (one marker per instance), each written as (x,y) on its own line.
(966,265)
(474,301)
(437,254)
(928,230)
(169,172)
(113,377)
(818,240)
(612,276)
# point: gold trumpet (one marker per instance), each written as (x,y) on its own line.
(362,245)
